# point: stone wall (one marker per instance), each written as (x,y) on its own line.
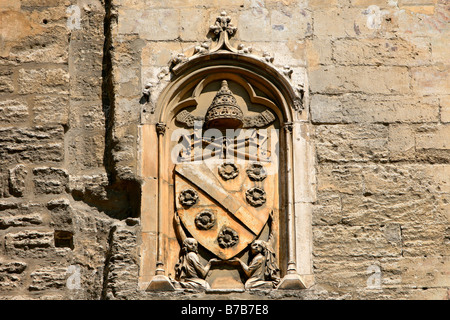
(377,105)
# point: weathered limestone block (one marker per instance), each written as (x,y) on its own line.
(4,183)
(61,214)
(433,137)
(192,24)
(20,215)
(356,79)
(17,177)
(431,80)
(351,274)
(381,51)
(327,210)
(432,143)
(353,241)
(426,143)
(425,239)
(343,143)
(42,3)
(86,150)
(430,271)
(48,180)
(367,22)
(89,185)
(318,52)
(404,179)
(30,243)
(86,115)
(48,278)
(43,81)
(423,21)
(11,274)
(278,24)
(6,81)
(339,178)
(359,210)
(122,273)
(156,24)
(13,111)
(51,110)
(401,142)
(445,109)
(357,108)
(49,46)
(35,144)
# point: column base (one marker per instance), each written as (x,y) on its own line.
(160,283)
(292,281)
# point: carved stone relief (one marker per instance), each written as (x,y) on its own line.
(225,193)
(221,202)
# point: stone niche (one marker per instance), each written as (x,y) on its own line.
(226,170)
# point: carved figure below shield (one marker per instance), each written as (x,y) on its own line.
(205,220)
(189,272)
(262,270)
(255,196)
(228,171)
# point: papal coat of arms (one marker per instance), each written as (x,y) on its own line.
(225,204)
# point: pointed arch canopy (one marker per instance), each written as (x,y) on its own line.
(228,66)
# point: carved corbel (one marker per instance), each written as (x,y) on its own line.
(161,128)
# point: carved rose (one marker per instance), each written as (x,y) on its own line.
(228,238)
(255,196)
(188,197)
(256,172)
(228,171)
(205,220)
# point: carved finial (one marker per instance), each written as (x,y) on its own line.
(224,29)
(223,24)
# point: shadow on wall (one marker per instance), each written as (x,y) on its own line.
(118,196)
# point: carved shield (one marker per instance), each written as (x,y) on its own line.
(224,206)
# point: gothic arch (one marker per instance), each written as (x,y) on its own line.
(258,83)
